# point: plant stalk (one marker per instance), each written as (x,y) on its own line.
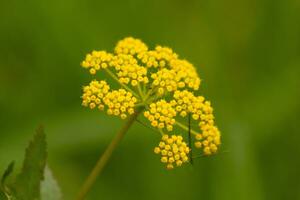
(123,85)
(101,163)
(185,128)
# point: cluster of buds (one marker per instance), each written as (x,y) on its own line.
(161,84)
(173,151)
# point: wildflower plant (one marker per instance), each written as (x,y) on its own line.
(157,85)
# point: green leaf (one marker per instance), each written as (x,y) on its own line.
(4,189)
(6,173)
(27,184)
(49,187)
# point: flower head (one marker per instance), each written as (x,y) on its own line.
(158,58)
(93,94)
(173,151)
(97,60)
(160,83)
(130,46)
(161,114)
(128,70)
(120,103)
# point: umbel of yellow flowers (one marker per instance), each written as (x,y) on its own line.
(163,85)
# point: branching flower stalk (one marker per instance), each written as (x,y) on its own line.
(158,84)
(105,156)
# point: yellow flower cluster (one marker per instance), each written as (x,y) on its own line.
(186,74)
(173,150)
(164,81)
(123,59)
(129,71)
(161,115)
(130,46)
(97,60)
(94,93)
(211,137)
(120,103)
(160,57)
(185,102)
(161,83)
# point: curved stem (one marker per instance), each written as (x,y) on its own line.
(184,127)
(123,85)
(153,98)
(161,132)
(89,182)
(140,91)
(149,93)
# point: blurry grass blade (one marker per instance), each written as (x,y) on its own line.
(49,187)
(4,189)
(27,184)
(6,173)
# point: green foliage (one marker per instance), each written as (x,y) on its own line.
(2,195)
(35,181)
(4,189)
(247,53)
(27,183)
(6,173)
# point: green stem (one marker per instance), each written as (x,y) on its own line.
(148,93)
(140,91)
(144,88)
(140,104)
(152,98)
(161,132)
(89,182)
(185,127)
(123,85)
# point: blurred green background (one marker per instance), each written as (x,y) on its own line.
(247,54)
